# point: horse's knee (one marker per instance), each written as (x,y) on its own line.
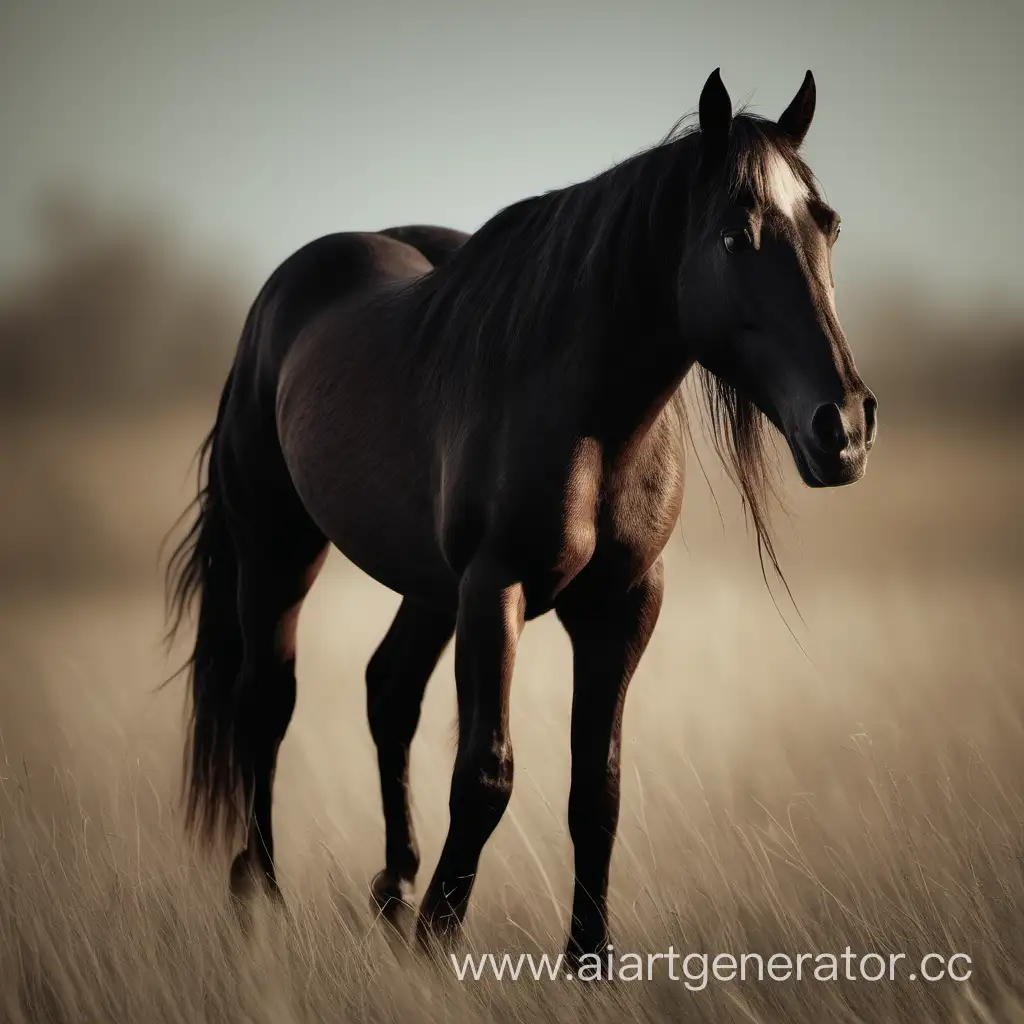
(482,786)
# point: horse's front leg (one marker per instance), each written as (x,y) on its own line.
(489,622)
(609,633)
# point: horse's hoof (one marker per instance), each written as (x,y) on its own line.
(437,933)
(587,955)
(389,899)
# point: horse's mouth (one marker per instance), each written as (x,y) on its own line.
(821,469)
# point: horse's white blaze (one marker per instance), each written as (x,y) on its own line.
(784,186)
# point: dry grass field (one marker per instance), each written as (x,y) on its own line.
(857,785)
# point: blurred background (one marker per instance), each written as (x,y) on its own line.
(158,161)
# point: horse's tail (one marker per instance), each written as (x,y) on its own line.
(204,570)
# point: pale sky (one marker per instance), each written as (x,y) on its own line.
(255,127)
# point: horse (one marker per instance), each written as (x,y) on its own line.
(492,426)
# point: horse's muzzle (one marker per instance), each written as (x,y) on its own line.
(833,449)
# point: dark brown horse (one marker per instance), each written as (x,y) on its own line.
(490,426)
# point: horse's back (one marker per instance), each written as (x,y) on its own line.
(324,272)
(436,243)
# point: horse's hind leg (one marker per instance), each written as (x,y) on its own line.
(273,579)
(490,619)
(396,678)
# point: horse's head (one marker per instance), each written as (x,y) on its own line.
(756,288)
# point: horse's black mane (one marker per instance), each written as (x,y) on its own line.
(563,265)
(506,292)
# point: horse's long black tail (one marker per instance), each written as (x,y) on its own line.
(204,569)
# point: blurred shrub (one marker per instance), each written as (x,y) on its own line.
(114,316)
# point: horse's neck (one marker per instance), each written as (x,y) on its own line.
(638,352)
(641,374)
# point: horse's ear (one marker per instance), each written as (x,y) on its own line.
(796,118)
(715,115)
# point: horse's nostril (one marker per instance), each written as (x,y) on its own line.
(828,428)
(870,419)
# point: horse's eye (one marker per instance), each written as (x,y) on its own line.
(737,241)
